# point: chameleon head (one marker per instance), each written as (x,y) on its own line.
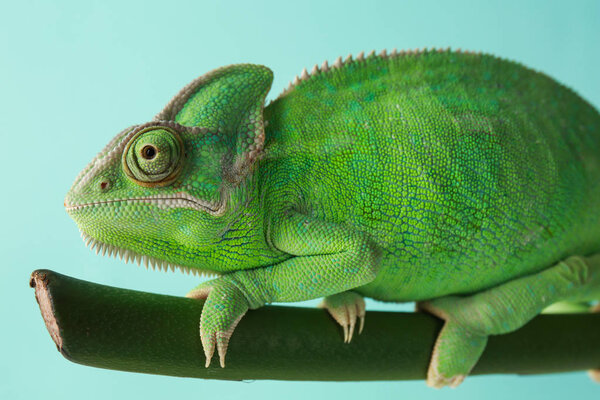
(158,192)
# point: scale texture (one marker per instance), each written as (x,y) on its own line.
(462,181)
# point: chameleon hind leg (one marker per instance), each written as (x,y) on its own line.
(502,309)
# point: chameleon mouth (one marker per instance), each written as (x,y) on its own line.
(179,200)
(140,259)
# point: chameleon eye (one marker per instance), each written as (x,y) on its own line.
(153,157)
(149,152)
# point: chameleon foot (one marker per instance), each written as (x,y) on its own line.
(345,307)
(457,348)
(224,307)
(499,310)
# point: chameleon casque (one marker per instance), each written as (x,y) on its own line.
(467,183)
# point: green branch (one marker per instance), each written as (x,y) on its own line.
(127,330)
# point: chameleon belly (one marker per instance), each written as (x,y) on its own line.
(467,170)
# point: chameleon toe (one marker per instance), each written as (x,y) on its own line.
(223,309)
(345,308)
(439,381)
(208,345)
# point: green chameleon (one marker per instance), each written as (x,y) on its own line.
(464,182)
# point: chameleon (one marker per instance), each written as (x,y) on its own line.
(464,182)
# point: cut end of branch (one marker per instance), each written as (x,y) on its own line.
(39,281)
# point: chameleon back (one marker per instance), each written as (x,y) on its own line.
(466,169)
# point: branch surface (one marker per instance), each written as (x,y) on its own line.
(113,328)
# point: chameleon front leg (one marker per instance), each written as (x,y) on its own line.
(326,259)
(502,309)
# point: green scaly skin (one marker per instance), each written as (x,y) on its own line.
(465,182)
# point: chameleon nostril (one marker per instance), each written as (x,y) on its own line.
(104,185)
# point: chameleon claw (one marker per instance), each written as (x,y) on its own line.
(362,324)
(220,340)
(351,310)
(223,339)
(361,312)
(345,308)
(222,350)
(223,309)
(209,349)
(440,381)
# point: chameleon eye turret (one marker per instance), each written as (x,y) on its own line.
(153,157)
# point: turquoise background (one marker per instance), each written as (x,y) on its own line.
(74,73)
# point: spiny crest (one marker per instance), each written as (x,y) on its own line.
(147,261)
(338,63)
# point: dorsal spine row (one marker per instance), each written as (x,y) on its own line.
(339,62)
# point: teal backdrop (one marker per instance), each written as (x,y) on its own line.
(74,73)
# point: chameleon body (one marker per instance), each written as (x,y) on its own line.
(462,181)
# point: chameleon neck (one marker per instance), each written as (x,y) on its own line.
(239,241)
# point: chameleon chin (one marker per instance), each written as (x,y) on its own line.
(467,183)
